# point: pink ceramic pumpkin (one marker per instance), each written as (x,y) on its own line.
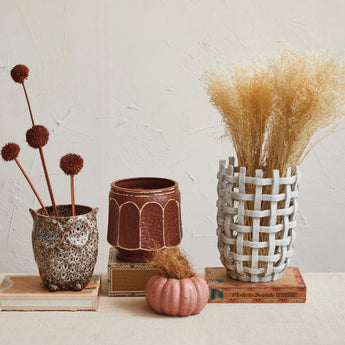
(176,297)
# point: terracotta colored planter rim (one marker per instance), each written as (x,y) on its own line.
(42,215)
(122,185)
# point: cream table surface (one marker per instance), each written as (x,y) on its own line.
(126,321)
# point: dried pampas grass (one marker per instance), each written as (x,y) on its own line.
(273,113)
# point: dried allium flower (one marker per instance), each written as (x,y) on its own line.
(19,73)
(37,136)
(10,151)
(71,163)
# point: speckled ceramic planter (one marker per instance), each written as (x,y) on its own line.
(65,247)
(144,215)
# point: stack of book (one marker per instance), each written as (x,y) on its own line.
(127,278)
(19,292)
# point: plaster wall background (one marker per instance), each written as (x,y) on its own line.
(119,82)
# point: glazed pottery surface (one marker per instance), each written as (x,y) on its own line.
(144,215)
(65,247)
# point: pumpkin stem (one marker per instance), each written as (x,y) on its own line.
(171,263)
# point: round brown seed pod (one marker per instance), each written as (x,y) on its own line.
(71,164)
(19,73)
(37,136)
(10,151)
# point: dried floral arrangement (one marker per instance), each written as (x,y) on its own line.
(274,114)
(37,137)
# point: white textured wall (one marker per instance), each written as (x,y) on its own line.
(119,82)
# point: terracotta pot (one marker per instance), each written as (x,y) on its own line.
(144,215)
(65,247)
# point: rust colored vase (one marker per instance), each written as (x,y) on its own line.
(65,247)
(144,215)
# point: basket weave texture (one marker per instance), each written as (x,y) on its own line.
(256,222)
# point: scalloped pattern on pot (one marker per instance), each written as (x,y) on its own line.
(148,228)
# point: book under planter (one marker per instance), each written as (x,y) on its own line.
(26,293)
(126,278)
(290,288)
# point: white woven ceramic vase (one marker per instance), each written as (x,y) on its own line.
(256,222)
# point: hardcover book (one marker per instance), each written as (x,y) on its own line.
(127,278)
(27,293)
(290,288)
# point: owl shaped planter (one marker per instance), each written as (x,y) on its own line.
(65,247)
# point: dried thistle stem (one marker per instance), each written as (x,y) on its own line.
(48,181)
(31,185)
(71,164)
(28,102)
(72,195)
